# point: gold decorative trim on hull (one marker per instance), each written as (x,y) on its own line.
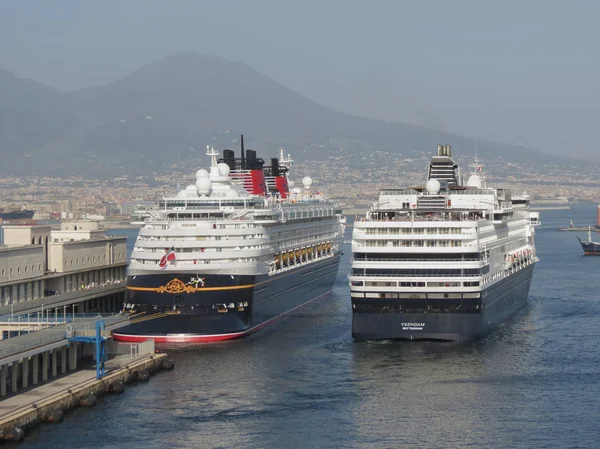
(176,286)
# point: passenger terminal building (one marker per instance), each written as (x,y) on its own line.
(77,266)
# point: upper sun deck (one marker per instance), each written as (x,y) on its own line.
(447,196)
(217,194)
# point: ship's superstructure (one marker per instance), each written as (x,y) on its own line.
(230,252)
(448,260)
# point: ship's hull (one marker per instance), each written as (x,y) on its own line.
(590,248)
(194,307)
(17,215)
(382,319)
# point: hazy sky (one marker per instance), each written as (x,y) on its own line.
(525,72)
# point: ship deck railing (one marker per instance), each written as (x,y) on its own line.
(406,219)
(421,259)
(224,218)
(365,277)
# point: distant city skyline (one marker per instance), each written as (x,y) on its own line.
(522,73)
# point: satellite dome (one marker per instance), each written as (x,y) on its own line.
(474,181)
(223,169)
(203,185)
(307,182)
(201,174)
(296,190)
(432,186)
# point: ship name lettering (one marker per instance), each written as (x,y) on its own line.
(412,326)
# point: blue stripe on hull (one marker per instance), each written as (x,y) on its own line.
(497,303)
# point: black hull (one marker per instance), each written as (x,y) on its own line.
(382,319)
(225,307)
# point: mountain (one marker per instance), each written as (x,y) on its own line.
(31,116)
(166,112)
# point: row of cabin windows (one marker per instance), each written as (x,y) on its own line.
(414,284)
(421,272)
(398,230)
(407,257)
(193,238)
(412,243)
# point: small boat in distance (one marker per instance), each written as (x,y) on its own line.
(590,248)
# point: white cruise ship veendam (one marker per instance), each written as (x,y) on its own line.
(231,252)
(445,261)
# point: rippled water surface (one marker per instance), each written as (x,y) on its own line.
(303,382)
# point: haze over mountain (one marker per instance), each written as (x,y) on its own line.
(167,111)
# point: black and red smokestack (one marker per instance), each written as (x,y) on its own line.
(280,178)
(257,174)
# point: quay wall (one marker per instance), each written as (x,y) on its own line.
(50,409)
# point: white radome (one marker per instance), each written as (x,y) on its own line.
(223,169)
(203,185)
(474,181)
(307,182)
(432,186)
(202,173)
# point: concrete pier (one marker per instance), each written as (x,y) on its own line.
(23,356)
(43,403)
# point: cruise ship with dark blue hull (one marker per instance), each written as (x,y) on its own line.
(226,307)
(449,260)
(441,319)
(230,253)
